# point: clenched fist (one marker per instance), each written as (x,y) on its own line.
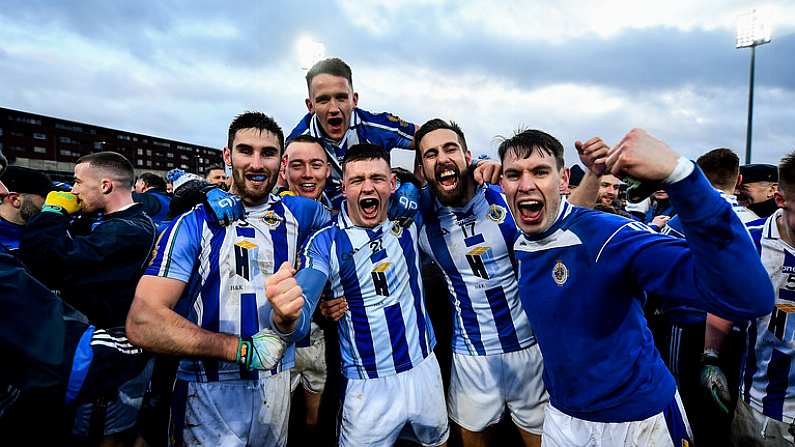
(642,157)
(286,297)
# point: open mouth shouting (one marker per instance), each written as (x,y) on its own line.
(335,125)
(531,211)
(369,207)
(447,178)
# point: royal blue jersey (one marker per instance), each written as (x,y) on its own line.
(769,377)
(583,283)
(681,314)
(383,129)
(225,269)
(473,245)
(386,329)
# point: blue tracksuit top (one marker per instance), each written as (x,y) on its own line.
(583,283)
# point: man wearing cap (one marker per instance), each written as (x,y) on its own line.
(27,189)
(758,184)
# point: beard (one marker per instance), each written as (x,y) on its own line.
(253,195)
(457,196)
(28,209)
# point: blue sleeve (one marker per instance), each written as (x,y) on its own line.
(314,267)
(311,215)
(177,247)
(301,128)
(673,228)
(715,269)
(388,130)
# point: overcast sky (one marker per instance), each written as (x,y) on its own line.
(575,69)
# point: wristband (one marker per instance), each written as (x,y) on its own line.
(244,351)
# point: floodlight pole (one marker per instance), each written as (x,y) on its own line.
(750,108)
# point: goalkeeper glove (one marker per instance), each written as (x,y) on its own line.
(404,202)
(713,381)
(263,350)
(226,207)
(60,202)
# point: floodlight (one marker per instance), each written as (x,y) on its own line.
(752,30)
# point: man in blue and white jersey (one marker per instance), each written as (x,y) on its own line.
(203,298)
(334,117)
(394,387)
(765,414)
(584,275)
(469,233)
(690,356)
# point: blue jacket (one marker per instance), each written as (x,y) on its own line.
(583,283)
(96,271)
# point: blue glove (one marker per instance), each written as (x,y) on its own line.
(404,202)
(226,207)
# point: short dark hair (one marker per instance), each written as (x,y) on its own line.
(153,180)
(255,120)
(436,124)
(365,151)
(213,168)
(333,66)
(786,173)
(306,138)
(113,162)
(721,166)
(525,142)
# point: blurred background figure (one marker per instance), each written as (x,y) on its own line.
(27,189)
(150,191)
(758,184)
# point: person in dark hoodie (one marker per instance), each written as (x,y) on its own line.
(758,184)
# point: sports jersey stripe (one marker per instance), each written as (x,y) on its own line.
(211,298)
(165,244)
(407,245)
(249,325)
(778,369)
(397,336)
(443,257)
(502,319)
(350,284)
(507,226)
(279,238)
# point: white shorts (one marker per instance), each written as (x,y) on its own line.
(481,387)
(231,413)
(668,428)
(310,367)
(408,405)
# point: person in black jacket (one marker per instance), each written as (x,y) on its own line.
(96,269)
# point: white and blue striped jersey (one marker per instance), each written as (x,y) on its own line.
(769,377)
(386,329)
(473,245)
(225,269)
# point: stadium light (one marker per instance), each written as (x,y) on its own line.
(752,31)
(309,52)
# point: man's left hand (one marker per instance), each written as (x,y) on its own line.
(487,171)
(226,207)
(642,157)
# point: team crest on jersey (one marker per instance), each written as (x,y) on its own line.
(560,273)
(497,213)
(272,219)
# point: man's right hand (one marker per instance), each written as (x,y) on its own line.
(286,297)
(263,350)
(61,202)
(334,309)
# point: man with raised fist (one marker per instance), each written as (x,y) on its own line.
(203,298)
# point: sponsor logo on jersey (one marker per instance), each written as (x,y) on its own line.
(271,219)
(475,259)
(379,278)
(560,273)
(397,229)
(244,252)
(497,213)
